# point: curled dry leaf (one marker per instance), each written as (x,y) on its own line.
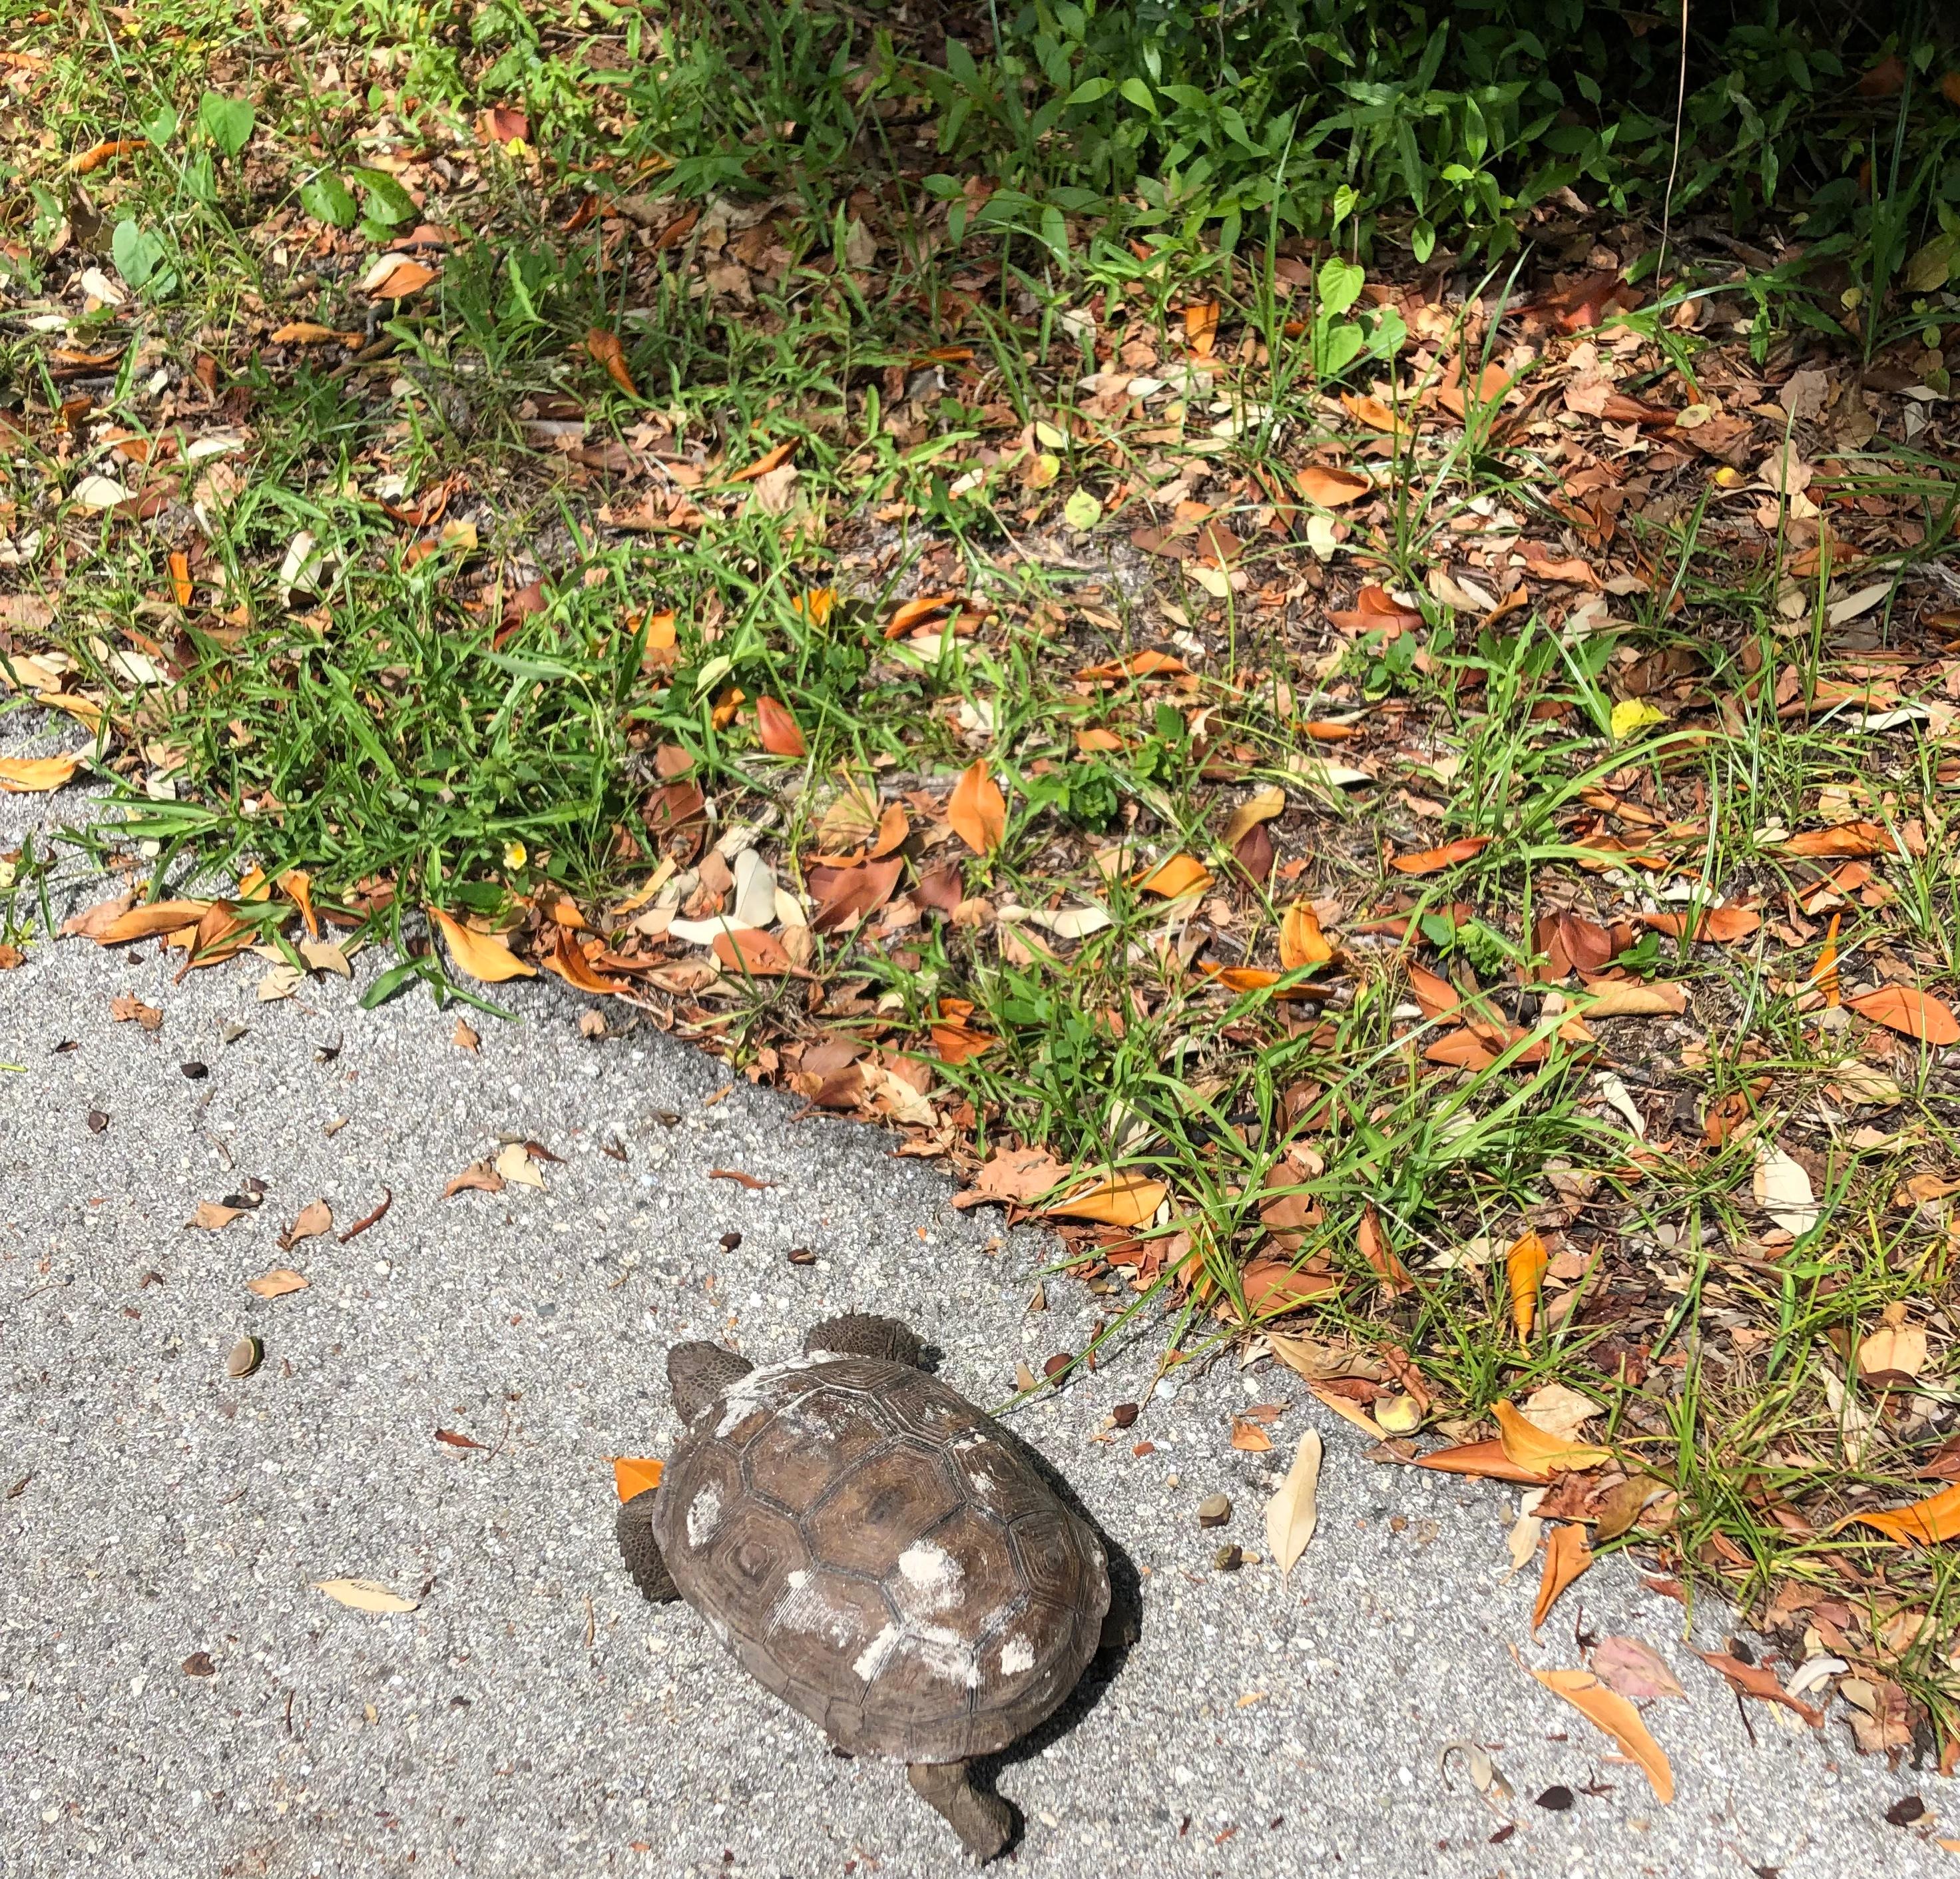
(146,923)
(1759,1681)
(633,1475)
(756,955)
(778,730)
(1923,1523)
(1124,1199)
(977,812)
(1783,1190)
(1433,861)
(1530,1446)
(1175,878)
(1607,1709)
(277,1282)
(364,1595)
(1293,1510)
(126,1008)
(1901,1008)
(1525,1268)
(1486,1461)
(1559,1411)
(1567,1555)
(212,1214)
(477,954)
(606,348)
(1302,943)
(1637,1670)
(478,1175)
(1850,839)
(37,775)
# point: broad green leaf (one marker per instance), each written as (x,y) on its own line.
(1082,511)
(328,199)
(226,123)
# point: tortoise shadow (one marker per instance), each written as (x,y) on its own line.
(1121,1629)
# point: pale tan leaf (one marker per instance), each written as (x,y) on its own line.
(515,1165)
(1783,1190)
(1293,1510)
(364,1595)
(1634,1669)
(1530,1446)
(37,775)
(313,1220)
(277,1282)
(212,1214)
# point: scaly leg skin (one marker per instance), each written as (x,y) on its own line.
(984,1823)
(700,1374)
(647,1570)
(864,1334)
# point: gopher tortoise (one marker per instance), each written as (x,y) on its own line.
(882,1555)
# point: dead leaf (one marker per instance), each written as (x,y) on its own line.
(1430,861)
(212,1214)
(1247,1437)
(634,1474)
(1559,1411)
(1531,1447)
(1635,1669)
(1847,838)
(1488,1461)
(455,1438)
(313,1220)
(515,1164)
(463,1037)
(1524,1266)
(277,1283)
(977,812)
(1261,806)
(1174,878)
(477,954)
(1758,1681)
(1783,1190)
(1013,1175)
(1901,1008)
(1892,1350)
(478,1175)
(1293,1510)
(1567,1555)
(1626,998)
(751,1183)
(778,730)
(146,923)
(1923,1523)
(1330,489)
(605,347)
(1124,1199)
(771,460)
(1302,943)
(364,1595)
(126,1007)
(37,775)
(759,955)
(1607,1710)
(908,614)
(1375,1248)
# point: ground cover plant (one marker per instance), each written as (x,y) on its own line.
(1376,746)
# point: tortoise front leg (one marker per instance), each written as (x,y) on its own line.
(984,1823)
(647,1570)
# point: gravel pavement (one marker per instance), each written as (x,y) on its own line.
(176,1696)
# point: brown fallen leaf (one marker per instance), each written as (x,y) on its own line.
(478,1175)
(1635,1669)
(1901,1008)
(146,923)
(395,277)
(1607,1710)
(463,1037)
(1260,807)
(1375,1248)
(126,1008)
(1567,1555)
(750,1181)
(92,922)
(1723,925)
(756,955)
(1625,998)
(908,614)
(1249,1438)
(374,1219)
(633,1474)
(313,1220)
(1016,1176)
(977,812)
(1330,489)
(277,1283)
(778,730)
(606,348)
(478,955)
(1759,1681)
(1124,1199)
(456,1439)
(1486,1461)
(1847,838)
(212,1214)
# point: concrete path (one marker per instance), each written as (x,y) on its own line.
(176,1698)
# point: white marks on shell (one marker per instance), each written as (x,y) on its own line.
(932,1570)
(941,1650)
(1017,1655)
(704,1515)
(804,1606)
(764,1389)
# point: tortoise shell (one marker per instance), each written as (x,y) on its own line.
(882,1556)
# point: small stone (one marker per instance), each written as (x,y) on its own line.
(232,1032)
(1124,1414)
(199,1663)
(197,1073)
(1214,1510)
(730,1241)
(246,1356)
(97,1121)
(801,1255)
(1228,1560)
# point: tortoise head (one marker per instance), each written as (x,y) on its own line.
(699,1374)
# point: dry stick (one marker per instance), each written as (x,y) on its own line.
(1674,162)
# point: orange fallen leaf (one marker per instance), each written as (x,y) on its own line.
(1125,1199)
(1136,665)
(1302,943)
(922,606)
(1376,1250)
(1248,1438)
(126,1007)
(146,923)
(778,730)
(1271,1287)
(1723,925)
(1759,1681)
(979,812)
(633,1475)
(1847,838)
(567,960)
(1430,861)
(957,1043)
(311,332)
(1461,1050)
(1330,489)
(37,775)
(1901,1008)
(1524,1266)
(96,155)
(772,460)
(605,347)
(1922,1523)
(757,954)
(1824,975)
(1370,411)
(1436,996)
(1487,1460)
(398,282)
(1200,325)
(180,585)
(1607,1709)
(479,955)
(297,885)
(1173,878)
(277,1283)
(1627,998)
(1567,1555)
(1531,1447)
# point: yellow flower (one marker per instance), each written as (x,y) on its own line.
(515,854)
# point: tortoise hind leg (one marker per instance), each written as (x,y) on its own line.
(984,1822)
(644,1566)
(865,1334)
